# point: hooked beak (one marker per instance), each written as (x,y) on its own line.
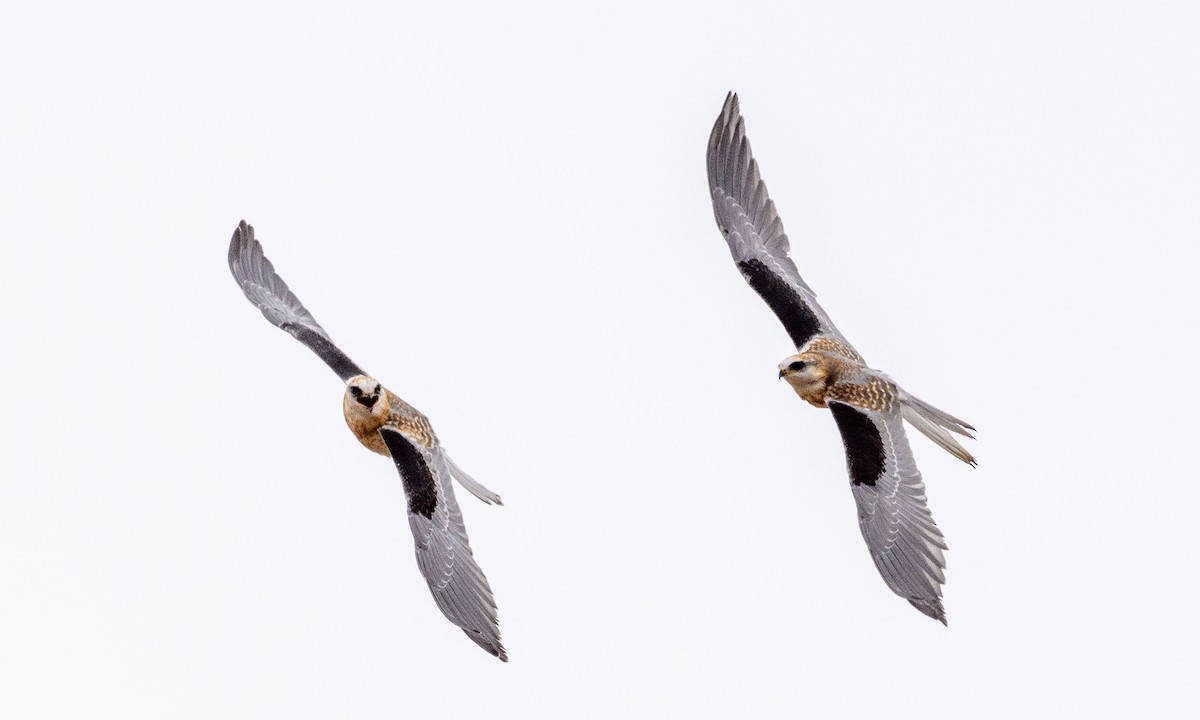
(368,400)
(782,372)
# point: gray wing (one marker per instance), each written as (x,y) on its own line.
(747,218)
(443,550)
(893,515)
(270,294)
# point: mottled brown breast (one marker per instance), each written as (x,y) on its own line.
(872,394)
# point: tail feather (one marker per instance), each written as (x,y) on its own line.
(473,486)
(934,423)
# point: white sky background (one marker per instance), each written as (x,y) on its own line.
(503,214)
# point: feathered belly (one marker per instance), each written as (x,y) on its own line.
(368,435)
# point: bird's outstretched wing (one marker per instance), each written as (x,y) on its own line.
(893,515)
(269,293)
(754,231)
(443,551)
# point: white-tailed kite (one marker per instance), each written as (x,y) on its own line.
(867,405)
(389,426)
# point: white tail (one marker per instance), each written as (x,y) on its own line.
(934,423)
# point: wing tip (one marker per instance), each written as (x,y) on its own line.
(493,647)
(730,115)
(731,111)
(244,232)
(930,607)
(243,241)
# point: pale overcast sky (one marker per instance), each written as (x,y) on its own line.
(502,213)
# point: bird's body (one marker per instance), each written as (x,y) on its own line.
(387,425)
(827,372)
(390,411)
(831,367)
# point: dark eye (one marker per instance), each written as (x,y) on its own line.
(355,391)
(798,365)
(377,389)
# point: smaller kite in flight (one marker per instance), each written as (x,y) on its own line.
(389,426)
(868,407)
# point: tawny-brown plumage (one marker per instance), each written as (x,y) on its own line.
(819,376)
(383,409)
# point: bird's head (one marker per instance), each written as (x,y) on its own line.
(807,373)
(365,396)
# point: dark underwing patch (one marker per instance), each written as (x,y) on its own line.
(864,446)
(797,318)
(333,357)
(419,485)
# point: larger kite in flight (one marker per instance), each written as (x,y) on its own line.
(867,405)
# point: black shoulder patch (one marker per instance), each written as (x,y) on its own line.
(327,351)
(797,318)
(419,485)
(864,446)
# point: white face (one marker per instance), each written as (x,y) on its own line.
(802,371)
(364,394)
